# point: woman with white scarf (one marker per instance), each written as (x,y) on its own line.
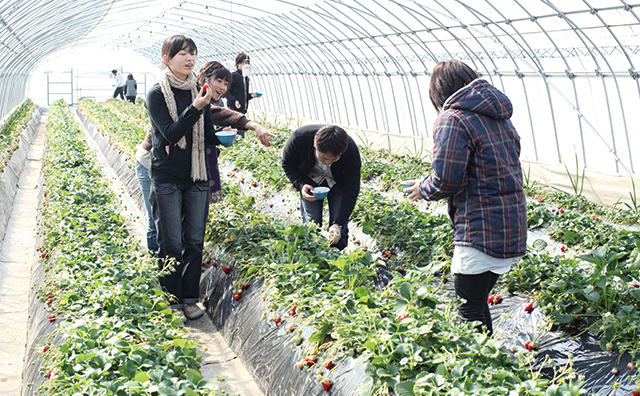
(181,127)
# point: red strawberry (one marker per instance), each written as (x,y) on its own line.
(311,360)
(204,88)
(400,270)
(636,391)
(527,345)
(528,308)
(254,184)
(226,269)
(236,297)
(490,300)
(245,286)
(290,329)
(634,284)
(497,299)
(235,169)
(213,263)
(46,348)
(282,199)
(563,248)
(561,211)
(388,253)
(49,302)
(364,248)
(277,321)
(402,317)
(328,365)
(52,318)
(614,371)
(630,366)
(326,385)
(271,205)
(48,373)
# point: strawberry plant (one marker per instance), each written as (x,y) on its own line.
(116,333)
(123,134)
(133,112)
(10,130)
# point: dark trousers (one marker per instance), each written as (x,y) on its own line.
(119,91)
(131,99)
(475,289)
(312,212)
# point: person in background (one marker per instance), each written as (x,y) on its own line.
(218,78)
(119,84)
(181,127)
(321,155)
(131,89)
(143,163)
(476,165)
(238,96)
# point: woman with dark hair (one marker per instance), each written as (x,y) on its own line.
(181,126)
(239,96)
(131,89)
(218,78)
(476,166)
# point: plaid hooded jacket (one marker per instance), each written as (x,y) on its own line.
(476,165)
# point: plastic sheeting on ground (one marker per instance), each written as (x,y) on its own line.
(265,349)
(39,327)
(11,175)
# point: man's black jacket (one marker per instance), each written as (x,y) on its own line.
(298,159)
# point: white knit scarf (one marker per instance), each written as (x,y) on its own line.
(198,162)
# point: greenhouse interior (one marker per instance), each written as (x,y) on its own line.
(165,166)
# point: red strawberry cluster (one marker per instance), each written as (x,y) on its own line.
(530,346)
(494,300)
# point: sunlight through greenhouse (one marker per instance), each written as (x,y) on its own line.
(307,198)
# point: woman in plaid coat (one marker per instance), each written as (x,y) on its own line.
(477,167)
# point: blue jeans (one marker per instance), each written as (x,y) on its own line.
(180,212)
(143,179)
(312,212)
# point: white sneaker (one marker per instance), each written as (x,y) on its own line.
(193,311)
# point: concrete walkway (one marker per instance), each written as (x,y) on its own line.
(16,259)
